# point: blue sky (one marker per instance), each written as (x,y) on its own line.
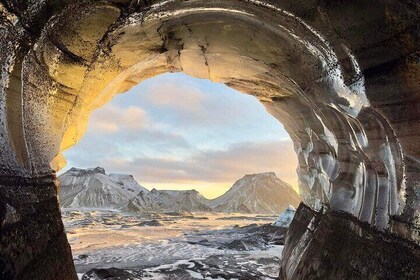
(178,132)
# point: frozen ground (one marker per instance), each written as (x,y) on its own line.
(113,245)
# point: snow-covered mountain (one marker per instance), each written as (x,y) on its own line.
(257,193)
(169,200)
(93,188)
(141,203)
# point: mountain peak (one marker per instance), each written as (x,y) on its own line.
(259,193)
(97,169)
(74,171)
(94,188)
(261,175)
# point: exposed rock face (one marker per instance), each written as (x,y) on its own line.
(33,242)
(257,193)
(335,245)
(342,77)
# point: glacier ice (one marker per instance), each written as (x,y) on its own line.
(285,217)
(342,79)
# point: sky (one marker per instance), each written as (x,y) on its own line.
(178,132)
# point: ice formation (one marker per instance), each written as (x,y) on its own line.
(342,78)
(286,217)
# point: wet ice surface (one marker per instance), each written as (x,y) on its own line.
(174,246)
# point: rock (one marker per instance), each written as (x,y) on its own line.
(246,244)
(356,249)
(183,214)
(151,223)
(109,274)
(83,256)
(256,218)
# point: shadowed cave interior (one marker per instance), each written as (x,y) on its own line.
(341,77)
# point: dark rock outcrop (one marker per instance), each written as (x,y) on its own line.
(151,223)
(335,245)
(33,242)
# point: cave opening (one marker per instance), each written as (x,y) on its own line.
(176,121)
(210,181)
(342,79)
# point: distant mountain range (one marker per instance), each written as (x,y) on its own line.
(93,188)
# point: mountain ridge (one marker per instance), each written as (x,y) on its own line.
(261,193)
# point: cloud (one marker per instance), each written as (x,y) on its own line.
(189,104)
(99,146)
(213,165)
(161,140)
(171,94)
(112,119)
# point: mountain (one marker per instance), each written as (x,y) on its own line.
(93,188)
(141,203)
(191,200)
(257,193)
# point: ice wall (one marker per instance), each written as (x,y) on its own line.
(342,78)
(350,158)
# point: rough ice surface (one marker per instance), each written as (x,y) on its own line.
(286,217)
(342,78)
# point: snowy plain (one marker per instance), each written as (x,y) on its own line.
(174,246)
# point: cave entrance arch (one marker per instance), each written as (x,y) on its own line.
(174,122)
(60,61)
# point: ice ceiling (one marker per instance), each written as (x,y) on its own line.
(343,83)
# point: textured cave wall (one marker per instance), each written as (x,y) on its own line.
(342,77)
(332,245)
(33,242)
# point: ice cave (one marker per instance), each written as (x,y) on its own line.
(342,76)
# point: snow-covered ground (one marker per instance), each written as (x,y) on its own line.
(174,245)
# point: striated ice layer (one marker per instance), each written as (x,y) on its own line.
(285,217)
(352,152)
